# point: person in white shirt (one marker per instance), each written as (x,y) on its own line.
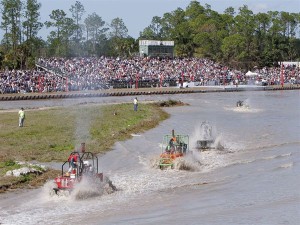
(21,117)
(135,104)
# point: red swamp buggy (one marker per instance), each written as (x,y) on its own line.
(86,165)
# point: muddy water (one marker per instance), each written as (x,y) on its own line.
(255,180)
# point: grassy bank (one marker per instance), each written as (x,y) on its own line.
(52,134)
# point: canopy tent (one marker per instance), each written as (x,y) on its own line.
(251,74)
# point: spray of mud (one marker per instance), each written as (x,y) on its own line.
(205,131)
(197,161)
(88,187)
(153,162)
(188,163)
(201,132)
(219,143)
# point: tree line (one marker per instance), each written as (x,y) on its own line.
(240,39)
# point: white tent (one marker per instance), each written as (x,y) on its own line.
(251,74)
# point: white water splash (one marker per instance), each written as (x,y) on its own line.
(88,187)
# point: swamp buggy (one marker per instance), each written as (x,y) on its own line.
(207,140)
(86,165)
(173,147)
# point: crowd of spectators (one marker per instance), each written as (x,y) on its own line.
(61,74)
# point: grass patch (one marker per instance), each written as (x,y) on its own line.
(8,165)
(50,135)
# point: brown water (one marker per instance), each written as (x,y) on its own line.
(254,181)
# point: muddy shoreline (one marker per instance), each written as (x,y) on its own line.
(143,91)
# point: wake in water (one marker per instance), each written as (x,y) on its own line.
(196,161)
(88,187)
(245,110)
(188,163)
(206,138)
(243,107)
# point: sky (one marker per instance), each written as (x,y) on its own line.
(137,14)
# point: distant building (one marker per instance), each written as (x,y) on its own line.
(154,48)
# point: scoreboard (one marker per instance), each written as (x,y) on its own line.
(155,48)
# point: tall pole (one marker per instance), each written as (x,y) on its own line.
(281,75)
(225,73)
(40,88)
(67,87)
(137,81)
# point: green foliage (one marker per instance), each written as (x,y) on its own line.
(10,163)
(118,29)
(198,31)
(27,177)
(30,62)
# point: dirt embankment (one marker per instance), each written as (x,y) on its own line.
(144,91)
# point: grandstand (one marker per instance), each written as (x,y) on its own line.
(77,74)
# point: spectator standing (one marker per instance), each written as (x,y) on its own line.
(21,117)
(135,104)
